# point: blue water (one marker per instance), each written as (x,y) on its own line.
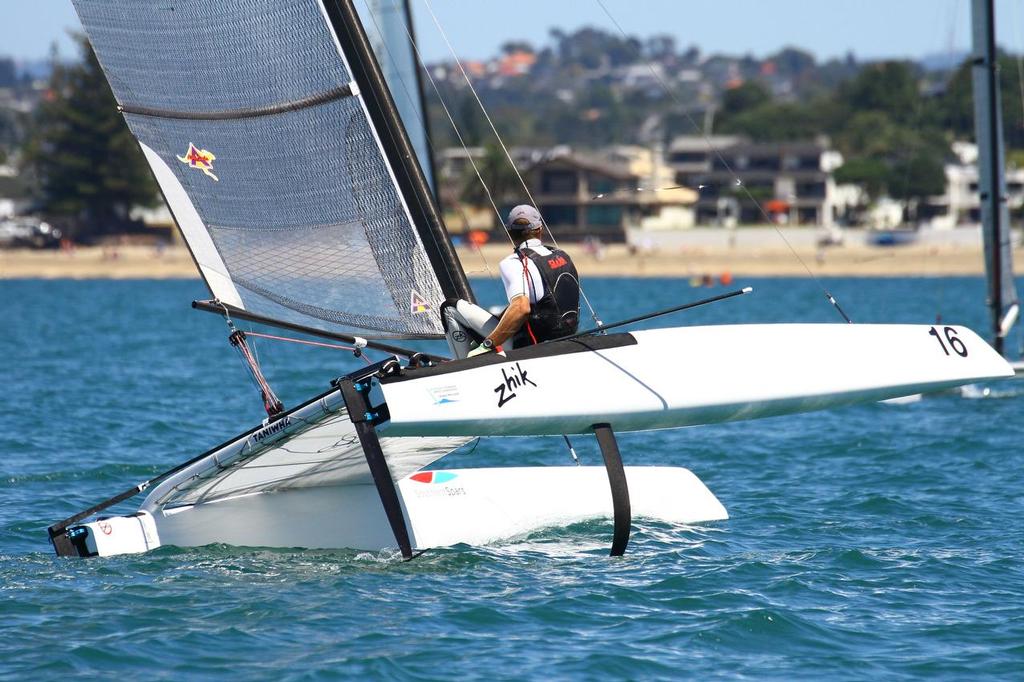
(877,541)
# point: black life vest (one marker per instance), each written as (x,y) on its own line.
(557,312)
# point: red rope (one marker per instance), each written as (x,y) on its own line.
(529,283)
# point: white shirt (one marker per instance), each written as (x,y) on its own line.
(520,279)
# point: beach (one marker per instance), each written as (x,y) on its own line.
(851,260)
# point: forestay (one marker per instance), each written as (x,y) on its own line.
(296,201)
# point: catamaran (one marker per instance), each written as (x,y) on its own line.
(278,148)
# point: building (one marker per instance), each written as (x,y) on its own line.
(961,204)
(690,155)
(590,195)
(790,182)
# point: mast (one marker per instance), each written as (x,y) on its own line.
(395,140)
(995,215)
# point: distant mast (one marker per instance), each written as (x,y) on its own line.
(394,50)
(995,214)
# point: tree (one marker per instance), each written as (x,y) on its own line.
(870,133)
(773,122)
(743,98)
(918,176)
(593,48)
(914,171)
(871,174)
(660,47)
(791,61)
(89,168)
(514,46)
(957,103)
(889,87)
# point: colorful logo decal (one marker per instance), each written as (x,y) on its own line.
(201,159)
(418,304)
(443,395)
(434,477)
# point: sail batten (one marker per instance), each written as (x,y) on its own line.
(274,164)
(231,114)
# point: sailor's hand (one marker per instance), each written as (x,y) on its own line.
(479,350)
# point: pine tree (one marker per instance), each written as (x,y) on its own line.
(88,166)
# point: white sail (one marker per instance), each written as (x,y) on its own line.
(267,131)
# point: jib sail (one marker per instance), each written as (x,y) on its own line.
(393,46)
(273,138)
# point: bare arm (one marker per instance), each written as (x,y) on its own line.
(513,318)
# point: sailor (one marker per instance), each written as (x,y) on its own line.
(543,293)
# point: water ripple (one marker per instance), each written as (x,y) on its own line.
(870,542)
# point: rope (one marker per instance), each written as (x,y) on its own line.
(711,147)
(271,403)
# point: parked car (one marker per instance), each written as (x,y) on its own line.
(28,231)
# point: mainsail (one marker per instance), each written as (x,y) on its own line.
(279,150)
(995,213)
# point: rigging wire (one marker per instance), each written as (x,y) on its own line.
(721,159)
(501,142)
(271,403)
(358,352)
(408,93)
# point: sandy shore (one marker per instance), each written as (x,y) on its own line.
(839,261)
(864,261)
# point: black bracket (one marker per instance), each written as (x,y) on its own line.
(355,390)
(623,516)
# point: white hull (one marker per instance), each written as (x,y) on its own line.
(304,481)
(471,506)
(688,376)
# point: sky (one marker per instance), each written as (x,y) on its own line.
(870,29)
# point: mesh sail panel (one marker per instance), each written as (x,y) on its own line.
(246,113)
(327,453)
